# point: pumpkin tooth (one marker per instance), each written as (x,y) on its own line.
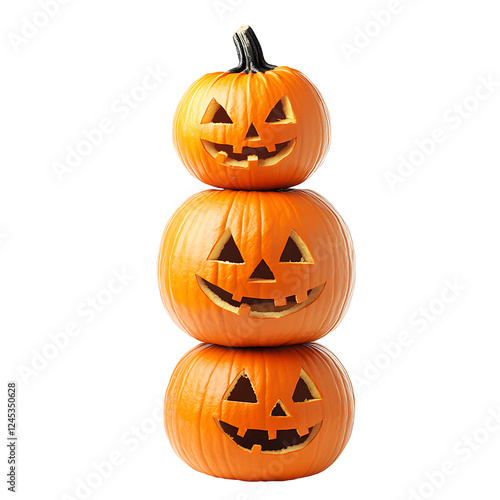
(238,149)
(271,148)
(256,448)
(253,160)
(221,156)
(241,432)
(271,434)
(280,302)
(237,297)
(302,431)
(301,296)
(244,310)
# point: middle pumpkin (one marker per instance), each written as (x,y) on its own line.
(256,268)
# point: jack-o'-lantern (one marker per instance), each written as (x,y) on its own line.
(259,414)
(256,268)
(256,126)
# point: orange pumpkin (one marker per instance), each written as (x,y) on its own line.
(259,414)
(256,268)
(256,126)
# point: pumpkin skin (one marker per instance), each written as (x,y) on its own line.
(286,278)
(229,133)
(218,432)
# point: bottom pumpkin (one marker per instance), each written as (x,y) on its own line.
(259,414)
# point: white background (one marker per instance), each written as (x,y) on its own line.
(61,240)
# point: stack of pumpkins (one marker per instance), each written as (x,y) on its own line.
(255,271)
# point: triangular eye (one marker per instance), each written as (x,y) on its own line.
(221,116)
(241,390)
(281,111)
(296,250)
(215,113)
(305,390)
(226,250)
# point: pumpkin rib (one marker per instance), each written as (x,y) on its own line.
(293,208)
(338,373)
(209,195)
(189,449)
(314,443)
(188,452)
(325,367)
(234,83)
(350,261)
(343,378)
(227,462)
(206,93)
(281,82)
(226,224)
(200,436)
(312,207)
(163,259)
(199,198)
(335,451)
(180,370)
(347,239)
(321,109)
(284,81)
(352,402)
(320,102)
(300,160)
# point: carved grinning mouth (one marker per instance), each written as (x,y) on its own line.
(257,440)
(249,157)
(255,307)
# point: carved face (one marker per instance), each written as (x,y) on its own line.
(275,413)
(243,268)
(276,304)
(252,131)
(277,437)
(273,144)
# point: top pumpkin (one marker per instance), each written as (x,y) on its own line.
(255,127)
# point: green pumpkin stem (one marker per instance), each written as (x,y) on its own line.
(250,55)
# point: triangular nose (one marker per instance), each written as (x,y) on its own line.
(279,410)
(252,132)
(262,272)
